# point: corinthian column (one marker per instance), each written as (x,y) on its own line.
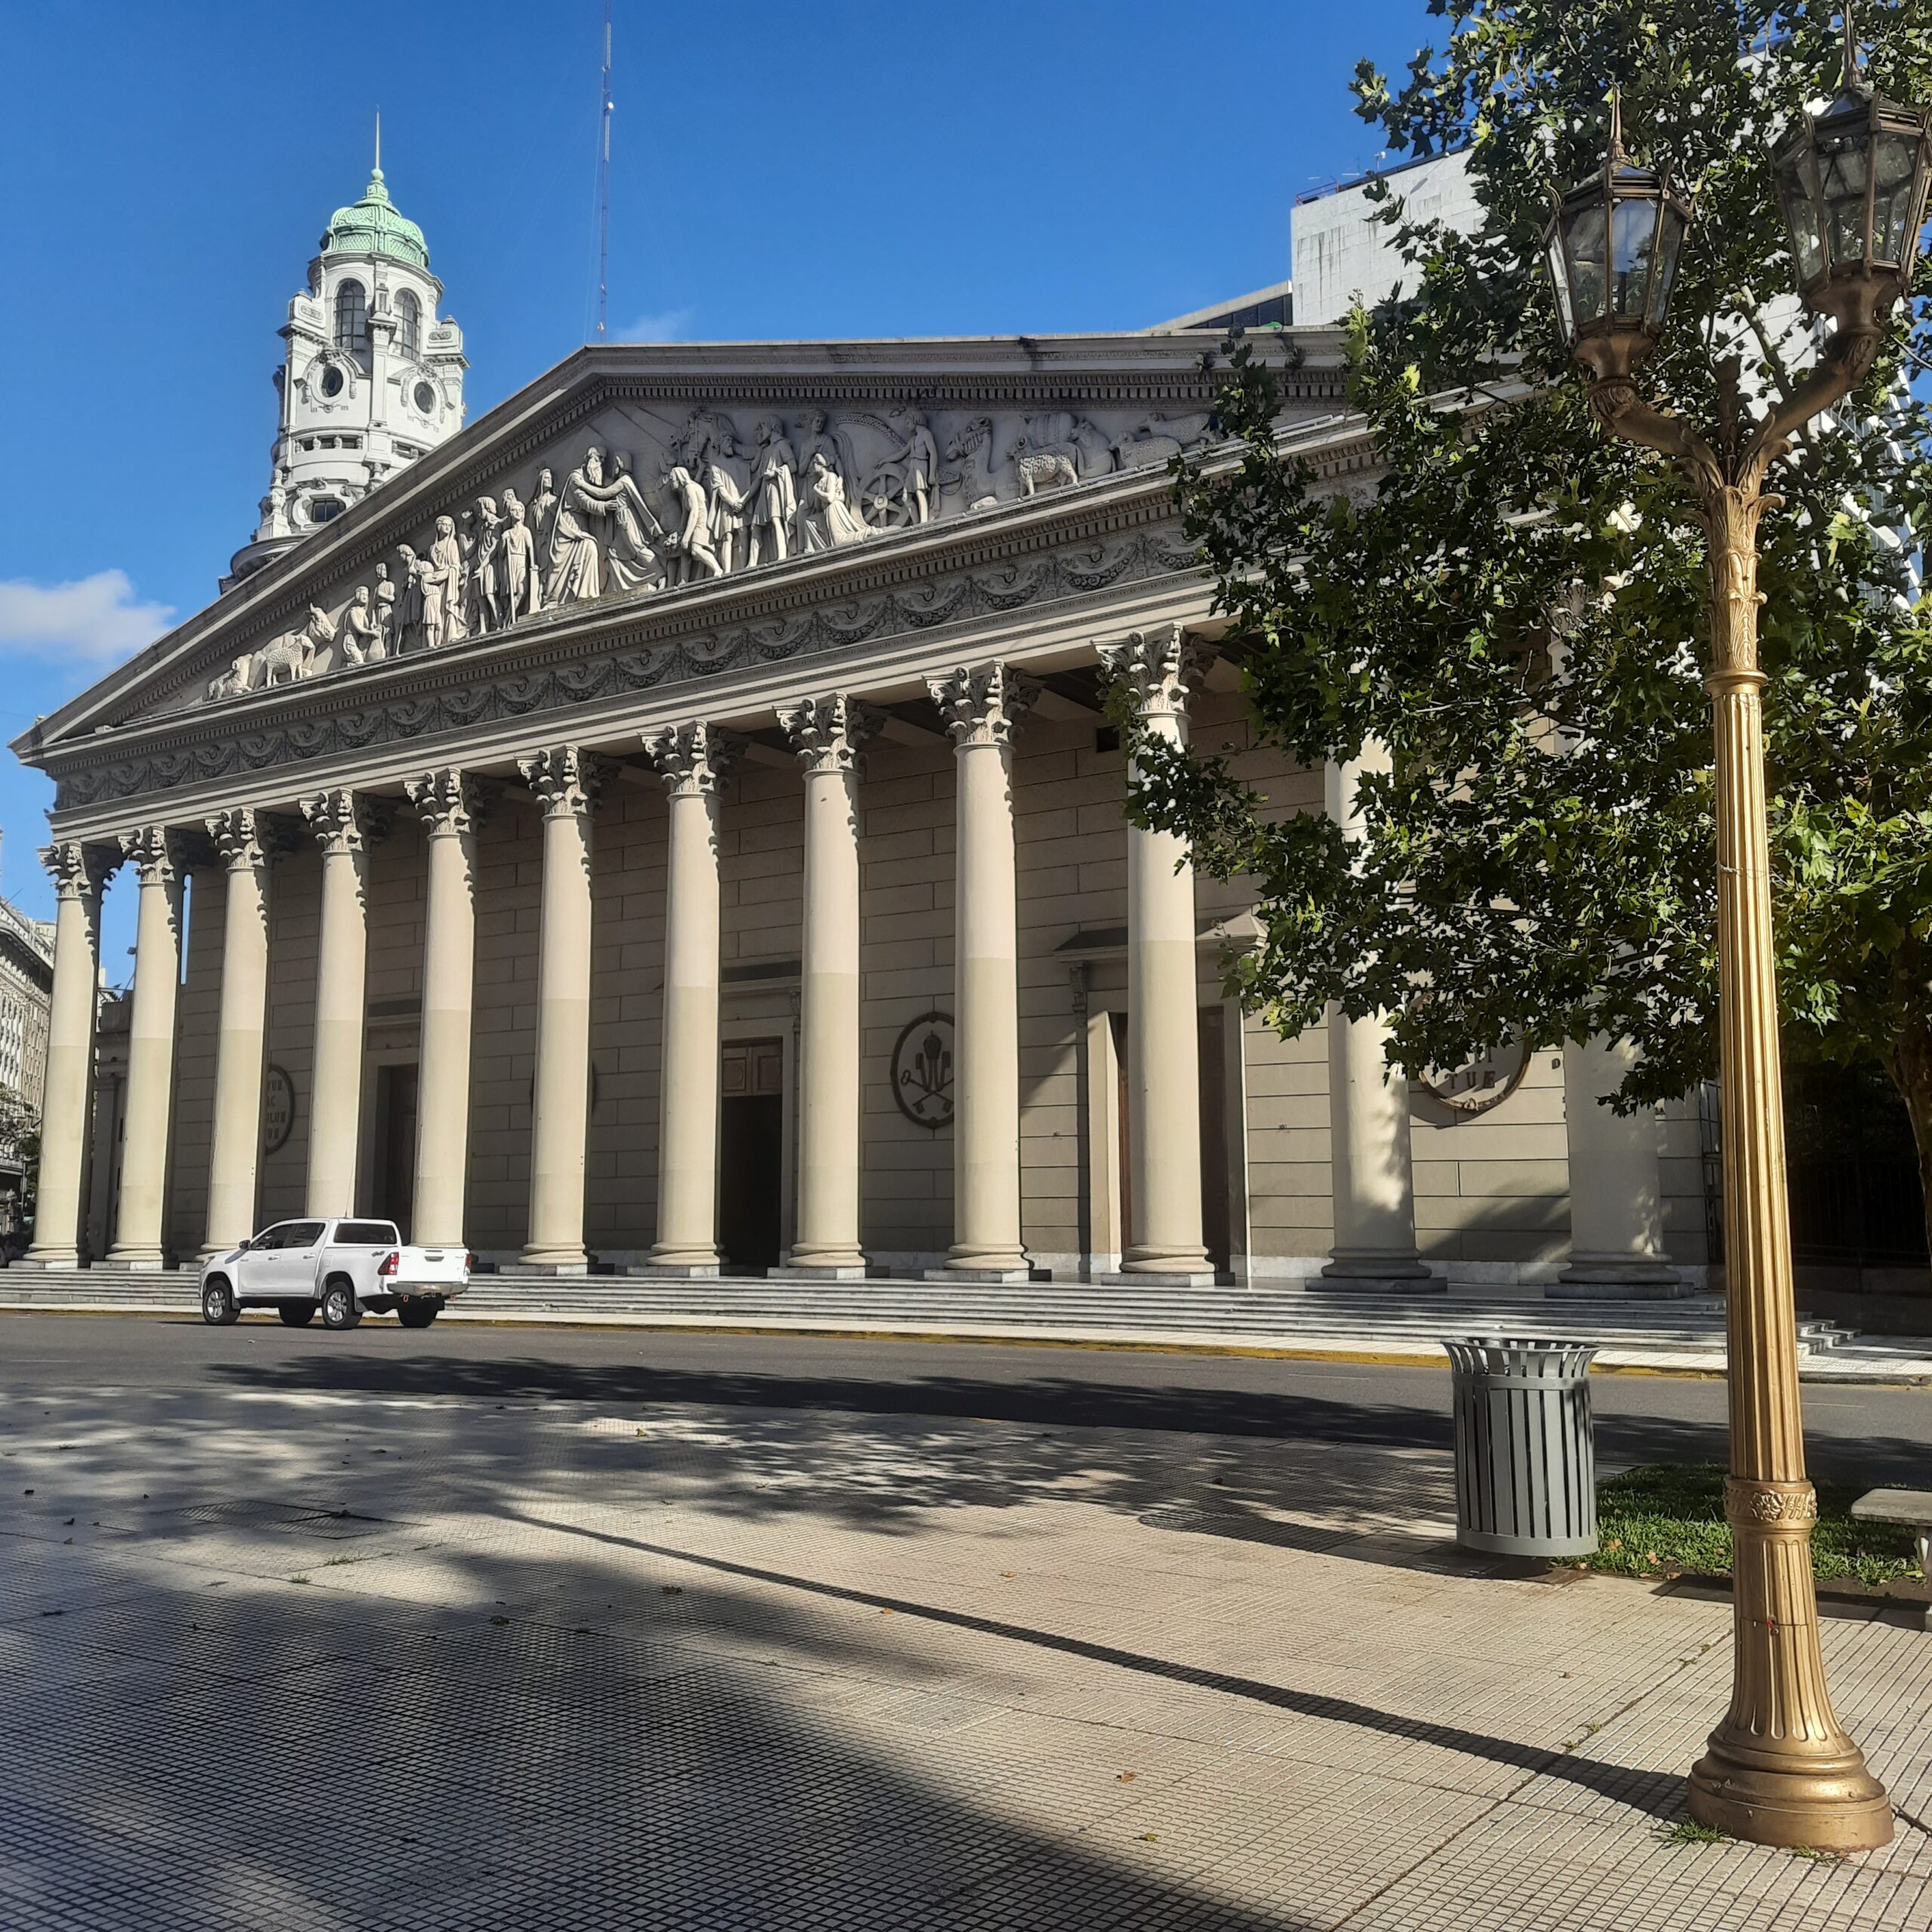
(241,837)
(982,706)
(346,826)
(79,871)
(451,804)
(567,782)
(827,734)
(1163,1038)
(1616,1204)
(156,857)
(692,759)
(1368,1103)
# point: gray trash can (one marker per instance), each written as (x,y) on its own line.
(1525,1463)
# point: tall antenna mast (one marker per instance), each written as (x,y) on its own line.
(604,184)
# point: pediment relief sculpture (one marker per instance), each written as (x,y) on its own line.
(692,501)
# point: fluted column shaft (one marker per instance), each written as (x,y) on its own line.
(982,707)
(1616,1202)
(567,781)
(1163,1036)
(1374,1184)
(79,871)
(450,803)
(137,1229)
(828,734)
(692,758)
(345,826)
(235,1142)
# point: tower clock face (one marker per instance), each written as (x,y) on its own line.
(424,398)
(331,381)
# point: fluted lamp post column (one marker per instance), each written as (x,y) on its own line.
(983,707)
(1780,1769)
(79,871)
(692,759)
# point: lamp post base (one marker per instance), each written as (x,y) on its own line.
(1832,1804)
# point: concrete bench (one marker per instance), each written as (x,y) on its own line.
(1912,1507)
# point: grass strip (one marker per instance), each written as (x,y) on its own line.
(1665,1519)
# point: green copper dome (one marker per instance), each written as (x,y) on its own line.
(373,226)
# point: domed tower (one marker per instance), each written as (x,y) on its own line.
(371,379)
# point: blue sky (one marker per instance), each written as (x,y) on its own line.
(896,168)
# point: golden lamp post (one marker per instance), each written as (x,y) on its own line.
(1780,1770)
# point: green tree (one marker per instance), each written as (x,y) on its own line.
(20,1136)
(1517,611)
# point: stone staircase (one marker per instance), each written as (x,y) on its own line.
(1287,1316)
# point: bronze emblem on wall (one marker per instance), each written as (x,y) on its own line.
(278,1109)
(922,1071)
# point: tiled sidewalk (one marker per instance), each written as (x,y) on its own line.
(559,1666)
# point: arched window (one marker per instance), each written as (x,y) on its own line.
(352,321)
(409,321)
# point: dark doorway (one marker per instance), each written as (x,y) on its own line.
(395,1144)
(1214,1221)
(751,1155)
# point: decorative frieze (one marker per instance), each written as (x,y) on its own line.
(982,704)
(829,732)
(693,758)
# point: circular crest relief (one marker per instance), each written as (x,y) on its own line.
(1482,1083)
(278,1109)
(922,1071)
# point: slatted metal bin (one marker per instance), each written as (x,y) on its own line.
(1525,1460)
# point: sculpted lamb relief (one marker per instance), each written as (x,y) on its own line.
(801,488)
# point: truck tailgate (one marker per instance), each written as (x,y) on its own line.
(446,1269)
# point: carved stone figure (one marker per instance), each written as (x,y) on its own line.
(576,565)
(521,578)
(386,630)
(318,634)
(635,564)
(483,611)
(1041,470)
(825,522)
(275,512)
(774,504)
(970,448)
(1159,439)
(412,603)
(285,661)
(689,539)
(816,441)
(919,478)
(543,516)
(238,677)
(443,584)
(362,638)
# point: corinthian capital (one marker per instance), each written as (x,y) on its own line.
(155,852)
(828,734)
(346,821)
(245,839)
(451,800)
(1160,667)
(79,871)
(691,758)
(982,704)
(567,780)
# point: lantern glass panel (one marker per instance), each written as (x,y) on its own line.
(1633,227)
(1668,244)
(1845,161)
(1559,285)
(1896,199)
(1800,216)
(1585,233)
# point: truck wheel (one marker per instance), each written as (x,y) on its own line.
(298,1314)
(416,1314)
(219,1307)
(339,1308)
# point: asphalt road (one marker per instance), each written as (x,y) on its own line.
(1864,1435)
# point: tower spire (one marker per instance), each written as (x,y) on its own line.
(379,140)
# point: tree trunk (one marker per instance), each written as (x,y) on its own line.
(1909,1063)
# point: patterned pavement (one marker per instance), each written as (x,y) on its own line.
(270,1658)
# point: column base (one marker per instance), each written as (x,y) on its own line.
(525,1266)
(1160,1278)
(1376,1264)
(674,1271)
(137,1263)
(64,1258)
(1006,1277)
(1619,1277)
(797,1271)
(1354,1282)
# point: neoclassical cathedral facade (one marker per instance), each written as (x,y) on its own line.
(673,822)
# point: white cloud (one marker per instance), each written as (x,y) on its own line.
(668,326)
(97,619)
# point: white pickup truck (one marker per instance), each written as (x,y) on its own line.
(344,1268)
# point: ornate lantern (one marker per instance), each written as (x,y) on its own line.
(1853,180)
(1611,250)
